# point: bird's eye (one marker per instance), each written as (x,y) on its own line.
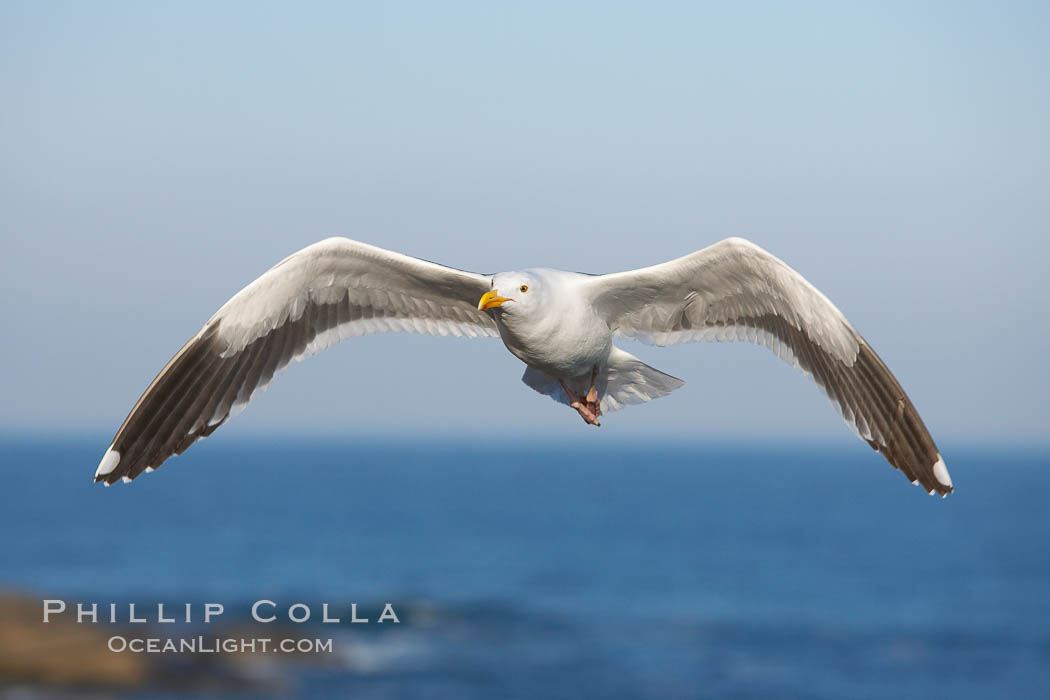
(523,288)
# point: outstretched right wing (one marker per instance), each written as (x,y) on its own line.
(326,292)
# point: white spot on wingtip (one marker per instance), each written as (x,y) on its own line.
(150,470)
(127,480)
(941,472)
(109,462)
(915,482)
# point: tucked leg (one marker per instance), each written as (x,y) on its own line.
(587,406)
(592,393)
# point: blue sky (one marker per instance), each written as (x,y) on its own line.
(159,156)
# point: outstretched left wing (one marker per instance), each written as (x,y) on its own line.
(734,290)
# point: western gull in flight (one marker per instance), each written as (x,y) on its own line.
(560,324)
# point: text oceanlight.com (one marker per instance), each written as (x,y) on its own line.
(187,616)
(206,645)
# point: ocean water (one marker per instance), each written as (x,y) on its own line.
(520,569)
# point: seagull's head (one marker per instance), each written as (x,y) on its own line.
(514,293)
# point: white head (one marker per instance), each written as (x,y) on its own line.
(518,294)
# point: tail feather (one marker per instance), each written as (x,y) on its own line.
(630,381)
(624,380)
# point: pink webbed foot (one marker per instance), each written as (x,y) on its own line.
(588,411)
(589,407)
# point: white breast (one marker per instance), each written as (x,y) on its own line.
(565,338)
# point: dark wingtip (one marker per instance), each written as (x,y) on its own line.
(109,467)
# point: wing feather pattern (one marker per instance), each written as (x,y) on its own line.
(326,292)
(735,290)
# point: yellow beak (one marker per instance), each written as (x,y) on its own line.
(490,300)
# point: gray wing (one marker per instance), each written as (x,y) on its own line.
(735,290)
(326,292)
